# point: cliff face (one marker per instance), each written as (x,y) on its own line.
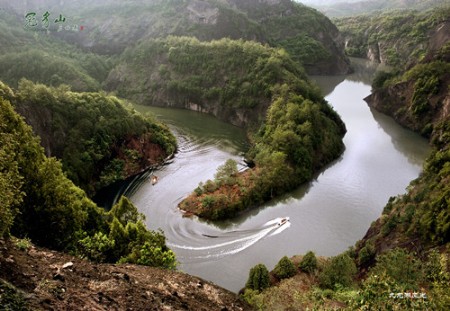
(397,101)
(420,100)
(395,38)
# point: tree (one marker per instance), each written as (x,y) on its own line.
(225,173)
(55,209)
(340,270)
(125,211)
(309,262)
(258,278)
(285,268)
(96,247)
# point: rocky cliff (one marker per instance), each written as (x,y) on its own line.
(399,38)
(420,98)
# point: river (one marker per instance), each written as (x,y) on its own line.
(327,215)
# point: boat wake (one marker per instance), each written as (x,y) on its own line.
(212,246)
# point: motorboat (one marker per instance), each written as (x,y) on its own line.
(283,221)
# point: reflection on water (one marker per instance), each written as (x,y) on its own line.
(205,129)
(402,140)
(327,215)
(364,72)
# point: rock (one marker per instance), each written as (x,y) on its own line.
(67,265)
(10,259)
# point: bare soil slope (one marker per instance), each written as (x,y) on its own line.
(50,280)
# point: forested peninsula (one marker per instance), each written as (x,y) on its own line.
(293,130)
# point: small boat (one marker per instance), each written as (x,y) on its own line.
(283,221)
(154,180)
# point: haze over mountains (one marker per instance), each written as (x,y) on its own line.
(339,8)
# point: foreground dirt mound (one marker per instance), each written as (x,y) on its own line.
(50,280)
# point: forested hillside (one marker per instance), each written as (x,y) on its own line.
(230,79)
(40,203)
(419,98)
(98,139)
(109,28)
(42,59)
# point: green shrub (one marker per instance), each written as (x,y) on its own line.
(210,186)
(254,298)
(258,278)
(96,247)
(285,268)
(225,173)
(400,266)
(23,244)
(440,295)
(309,262)
(366,254)
(381,78)
(198,191)
(208,201)
(156,256)
(340,270)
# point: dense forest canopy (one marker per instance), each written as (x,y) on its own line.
(245,62)
(43,59)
